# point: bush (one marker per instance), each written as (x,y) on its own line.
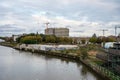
(84,52)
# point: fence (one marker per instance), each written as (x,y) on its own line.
(104,71)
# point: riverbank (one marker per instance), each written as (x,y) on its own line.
(77,58)
(8,44)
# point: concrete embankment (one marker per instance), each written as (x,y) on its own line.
(51,53)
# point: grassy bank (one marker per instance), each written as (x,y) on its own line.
(8,44)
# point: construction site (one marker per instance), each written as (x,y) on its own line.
(59,32)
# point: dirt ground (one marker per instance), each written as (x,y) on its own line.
(92,53)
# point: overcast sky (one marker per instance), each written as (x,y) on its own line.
(82,17)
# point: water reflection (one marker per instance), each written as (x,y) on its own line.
(18,65)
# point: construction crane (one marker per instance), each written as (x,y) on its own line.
(38,23)
(103,31)
(116,29)
(47,23)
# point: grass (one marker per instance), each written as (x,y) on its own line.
(8,44)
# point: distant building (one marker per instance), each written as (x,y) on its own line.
(50,31)
(80,40)
(15,37)
(59,32)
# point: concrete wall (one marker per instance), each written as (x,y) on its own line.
(48,47)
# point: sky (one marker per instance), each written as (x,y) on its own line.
(82,17)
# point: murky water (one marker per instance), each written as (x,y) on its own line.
(17,65)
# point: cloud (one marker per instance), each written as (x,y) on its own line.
(10,29)
(79,15)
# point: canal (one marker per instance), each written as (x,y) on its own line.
(17,65)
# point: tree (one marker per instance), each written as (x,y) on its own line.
(36,38)
(99,40)
(93,40)
(9,39)
(64,40)
(94,35)
(31,39)
(111,39)
(50,39)
(67,40)
(84,52)
(18,39)
(83,41)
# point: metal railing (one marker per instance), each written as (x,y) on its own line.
(104,71)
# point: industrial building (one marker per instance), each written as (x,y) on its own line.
(59,32)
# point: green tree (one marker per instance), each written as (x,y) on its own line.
(64,40)
(99,40)
(111,39)
(93,40)
(31,39)
(94,35)
(50,39)
(84,53)
(67,40)
(83,41)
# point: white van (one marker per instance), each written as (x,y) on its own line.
(108,45)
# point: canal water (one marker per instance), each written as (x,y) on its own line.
(17,65)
